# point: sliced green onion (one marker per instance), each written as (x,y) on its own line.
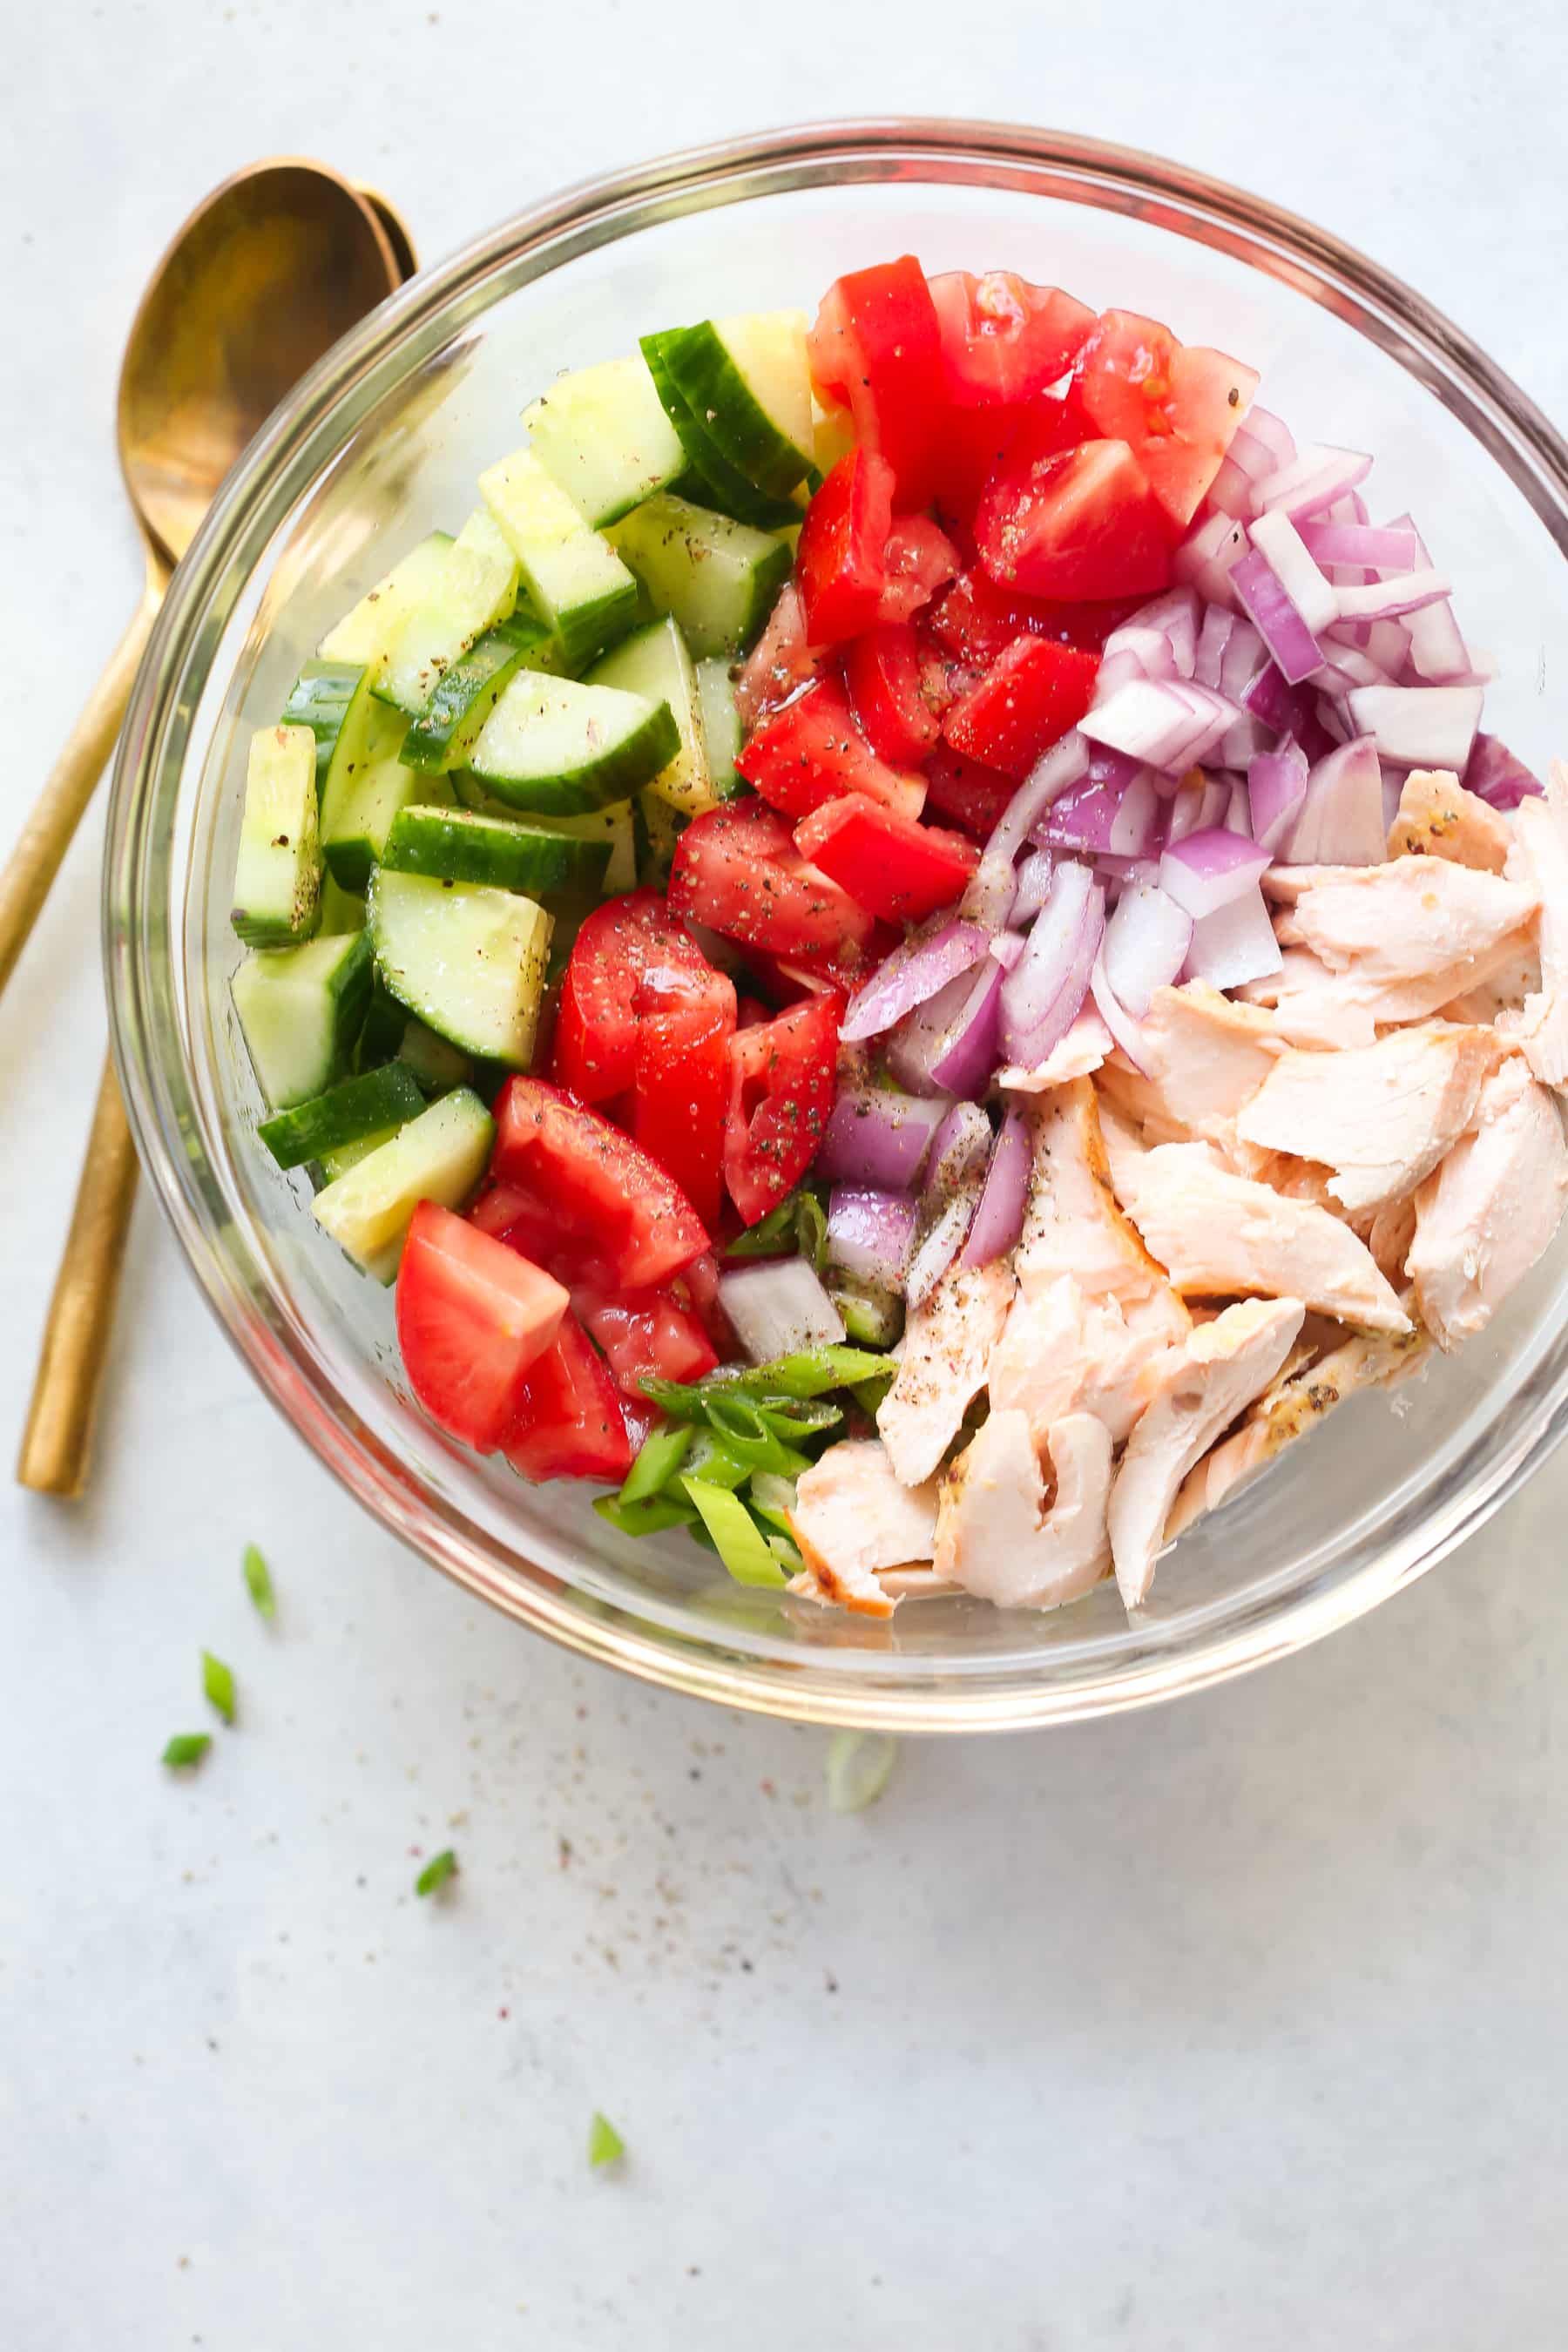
(187,1747)
(605,2142)
(773,1236)
(737,1537)
(859,1766)
(794,1417)
(811,1230)
(650,1515)
(787,1378)
(712,1460)
(868,1394)
(659,1456)
(217,1685)
(436,1872)
(781,1543)
(747,1435)
(259,1580)
(772,1499)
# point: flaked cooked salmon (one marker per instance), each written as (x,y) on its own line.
(1437,817)
(947,1352)
(997,1535)
(1489,1213)
(1380,1115)
(852,1519)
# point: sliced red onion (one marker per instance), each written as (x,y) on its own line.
(1061,767)
(1420,726)
(962,1147)
(1145,945)
(990,893)
(1262,445)
(1008,946)
(1183,813)
(1120,821)
(1169,723)
(870,1234)
(1041,996)
(942,1240)
(1275,787)
(1034,885)
(1116,1017)
(1241,743)
(912,974)
(1209,869)
(1209,555)
(1273,703)
(1213,805)
(1295,650)
(1208,654)
(1230,493)
(1161,637)
(1387,643)
(1275,537)
(1333,541)
(1494,773)
(1388,600)
(878,1138)
(1332,717)
(1349,668)
(1238,815)
(1245,658)
(1311,482)
(948,1046)
(1437,653)
(1235,944)
(999,1214)
(1340,818)
(1108,767)
(778,1308)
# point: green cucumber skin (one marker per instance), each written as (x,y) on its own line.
(695,357)
(344,1114)
(349,993)
(720,484)
(320,700)
(590,630)
(391,1033)
(447,729)
(623,770)
(453,845)
(646,539)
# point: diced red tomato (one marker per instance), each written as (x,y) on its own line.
(967,793)
(569,1423)
(840,561)
(919,559)
(876,343)
(882,672)
(1177,406)
(647,1331)
(681,1096)
(781,1099)
(812,751)
(782,983)
(595,1052)
(1084,523)
(779,661)
(977,620)
(971,445)
(606,1196)
(737,869)
(471,1317)
(902,872)
(1026,702)
(1003,339)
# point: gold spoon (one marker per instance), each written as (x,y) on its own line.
(261,280)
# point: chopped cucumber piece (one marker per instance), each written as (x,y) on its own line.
(366,635)
(654,662)
(469,960)
(344,1156)
(556,745)
(342,910)
(300,1010)
(577,583)
(345,1114)
(721,727)
(602,435)
(717,578)
(323,695)
(476,587)
(277,874)
(448,728)
(657,827)
(461,846)
(612,825)
(360,774)
(710,478)
(437,1063)
(748,380)
(439,1156)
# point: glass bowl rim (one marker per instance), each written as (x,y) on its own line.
(938,1695)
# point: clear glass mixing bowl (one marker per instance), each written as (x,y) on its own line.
(381,443)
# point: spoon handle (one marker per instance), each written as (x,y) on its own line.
(28,872)
(57,1444)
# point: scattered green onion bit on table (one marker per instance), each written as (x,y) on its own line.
(259,1582)
(859,1766)
(186,1748)
(737,1538)
(217,1685)
(605,2142)
(436,1872)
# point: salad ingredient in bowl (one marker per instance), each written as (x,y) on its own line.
(909,948)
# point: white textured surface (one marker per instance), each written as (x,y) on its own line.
(1237,2026)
